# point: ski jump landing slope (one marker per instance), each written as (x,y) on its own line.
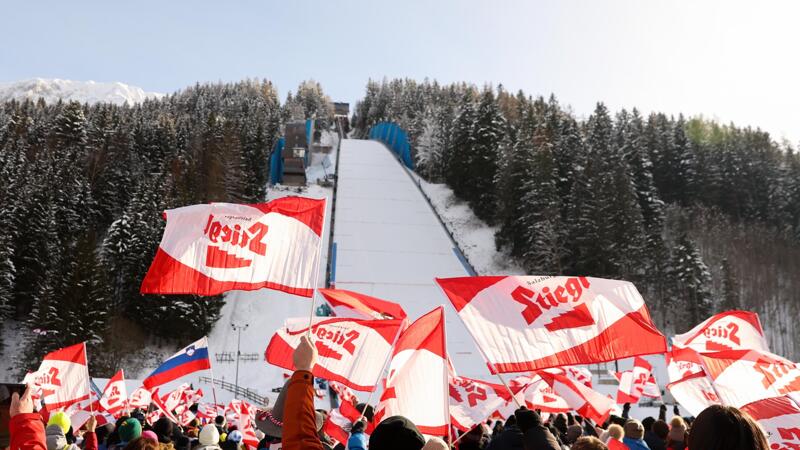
(390,244)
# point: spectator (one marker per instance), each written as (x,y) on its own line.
(589,443)
(656,437)
(634,433)
(396,433)
(676,439)
(726,428)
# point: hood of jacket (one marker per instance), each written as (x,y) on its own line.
(55,437)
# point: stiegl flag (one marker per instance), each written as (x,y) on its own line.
(213,248)
(524,323)
(731,330)
(417,384)
(63,377)
(351,351)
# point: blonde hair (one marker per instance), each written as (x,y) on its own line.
(615,431)
(677,421)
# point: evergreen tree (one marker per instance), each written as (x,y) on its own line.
(731,295)
(514,167)
(488,134)
(692,282)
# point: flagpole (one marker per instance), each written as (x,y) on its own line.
(385,363)
(446,380)
(514,397)
(88,379)
(127,397)
(317,269)
(213,381)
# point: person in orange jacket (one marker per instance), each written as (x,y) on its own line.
(299,419)
(25,426)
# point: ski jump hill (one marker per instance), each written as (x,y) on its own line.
(387,242)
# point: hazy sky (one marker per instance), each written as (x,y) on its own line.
(731,60)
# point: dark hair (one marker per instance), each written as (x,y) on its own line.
(726,428)
(219,420)
(589,443)
(660,429)
(141,443)
(358,427)
(647,423)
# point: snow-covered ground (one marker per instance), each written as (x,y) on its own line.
(391,245)
(51,90)
(473,235)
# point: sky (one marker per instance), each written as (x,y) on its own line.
(727,60)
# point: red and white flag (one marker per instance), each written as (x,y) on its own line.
(579,374)
(473,401)
(632,382)
(243,415)
(695,393)
(683,363)
(417,385)
(584,400)
(176,399)
(140,398)
(343,392)
(158,401)
(535,393)
(115,395)
(780,419)
(745,376)
(351,351)
(340,421)
(213,248)
(731,330)
(524,323)
(63,377)
(360,306)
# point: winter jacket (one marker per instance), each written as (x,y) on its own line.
(676,445)
(299,418)
(89,440)
(540,438)
(56,439)
(635,444)
(357,441)
(654,442)
(614,444)
(510,439)
(27,432)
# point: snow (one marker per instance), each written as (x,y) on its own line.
(51,90)
(473,235)
(391,245)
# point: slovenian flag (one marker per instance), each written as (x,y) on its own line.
(193,358)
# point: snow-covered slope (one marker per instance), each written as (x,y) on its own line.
(51,90)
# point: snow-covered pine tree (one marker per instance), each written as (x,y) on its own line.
(540,218)
(514,168)
(488,134)
(692,285)
(459,153)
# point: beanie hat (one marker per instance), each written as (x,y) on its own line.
(129,430)
(527,419)
(235,436)
(148,434)
(435,443)
(163,429)
(209,435)
(396,433)
(61,419)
